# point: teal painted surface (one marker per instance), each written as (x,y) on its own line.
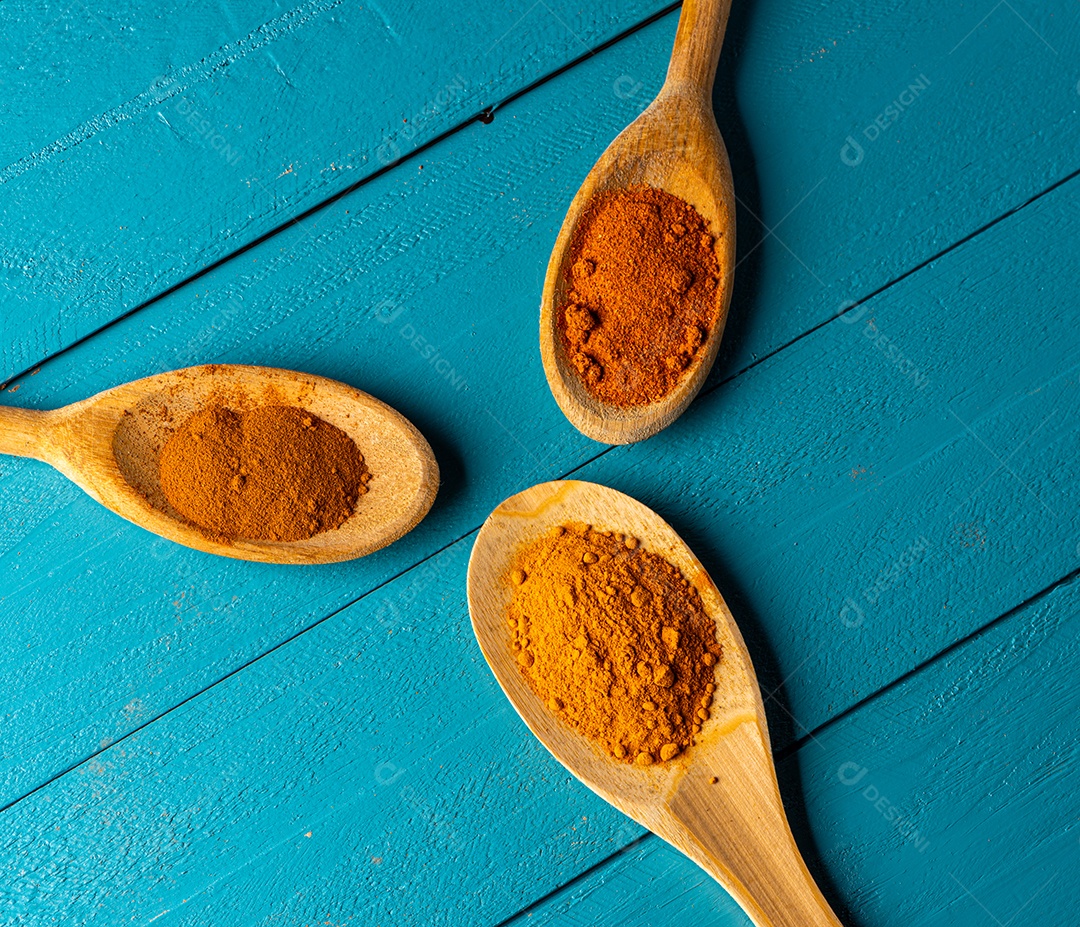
(950,799)
(151,205)
(140,145)
(882,487)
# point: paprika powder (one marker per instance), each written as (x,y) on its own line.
(642,294)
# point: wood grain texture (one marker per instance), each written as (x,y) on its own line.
(948,800)
(719,801)
(168,140)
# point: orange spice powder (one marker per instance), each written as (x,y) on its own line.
(641,294)
(614,640)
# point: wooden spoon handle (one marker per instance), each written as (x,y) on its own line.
(22,432)
(739,834)
(697,45)
(780,892)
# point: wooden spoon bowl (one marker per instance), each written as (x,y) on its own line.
(735,828)
(674,146)
(110,445)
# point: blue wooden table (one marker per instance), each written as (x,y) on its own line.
(881,473)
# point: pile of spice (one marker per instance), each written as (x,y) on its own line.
(641,294)
(614,640)
(273,473)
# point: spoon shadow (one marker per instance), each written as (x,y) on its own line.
(748,254)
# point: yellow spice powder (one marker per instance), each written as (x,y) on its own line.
(614,640)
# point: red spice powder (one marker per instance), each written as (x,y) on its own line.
(641,294)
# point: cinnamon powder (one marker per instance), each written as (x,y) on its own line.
(274,473)
(641,294)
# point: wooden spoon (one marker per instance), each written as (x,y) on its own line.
(110,443)
(674,146)
(734,829)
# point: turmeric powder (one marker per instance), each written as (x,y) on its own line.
(274,473)
(614,640)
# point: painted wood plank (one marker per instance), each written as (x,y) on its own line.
(386,735)
(648,882)
(958,114)
(136,625)
(143,144)
(795,83)
(949,800)
(377,773)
